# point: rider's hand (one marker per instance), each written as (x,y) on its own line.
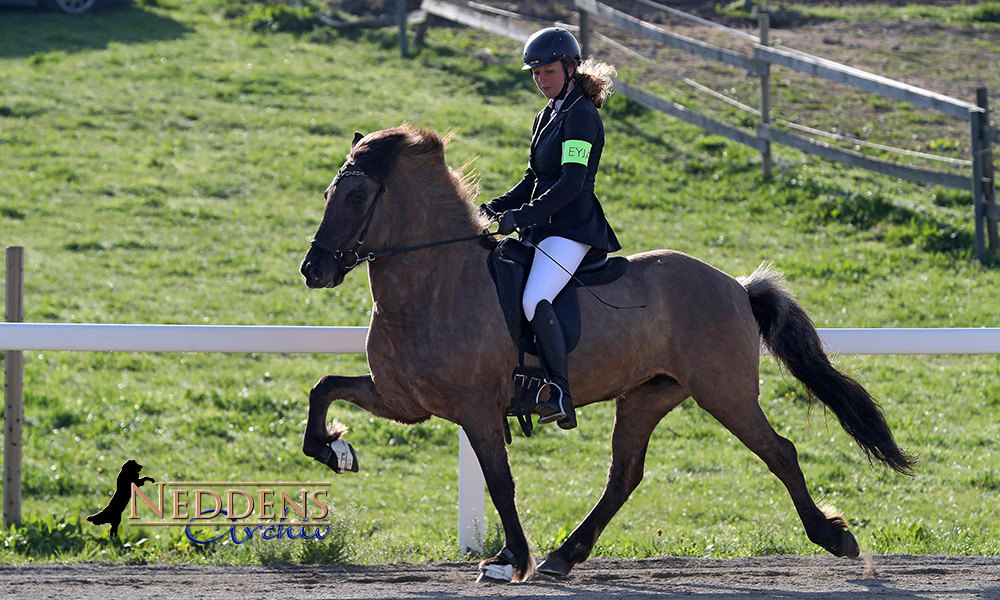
(506,223)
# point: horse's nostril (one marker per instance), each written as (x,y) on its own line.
(310,271)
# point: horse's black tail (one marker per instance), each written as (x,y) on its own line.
(791,336)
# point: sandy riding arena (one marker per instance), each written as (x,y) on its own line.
(893,577)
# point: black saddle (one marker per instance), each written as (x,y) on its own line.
(509,265)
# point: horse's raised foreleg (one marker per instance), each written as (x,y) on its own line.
(514,562)
(745,419)
(636,415)
(360,391)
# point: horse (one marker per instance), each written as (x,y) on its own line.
(438,345)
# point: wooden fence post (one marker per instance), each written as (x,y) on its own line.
(584,33)
(764,22)
(13,364)
(988,181)
(404,50)
(978,208)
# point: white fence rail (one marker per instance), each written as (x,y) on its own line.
(182,338)
(351,340)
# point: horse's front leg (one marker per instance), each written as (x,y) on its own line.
(326,445)
(514,562)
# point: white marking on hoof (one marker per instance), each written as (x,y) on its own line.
(346,459)
(495,574)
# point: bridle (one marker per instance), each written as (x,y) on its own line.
(354,254)
(363,224)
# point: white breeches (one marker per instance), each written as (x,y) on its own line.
(546,278)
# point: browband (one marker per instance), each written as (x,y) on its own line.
(353,173)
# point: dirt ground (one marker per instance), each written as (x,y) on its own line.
(892,577)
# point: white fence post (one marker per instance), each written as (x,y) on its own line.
(471,497)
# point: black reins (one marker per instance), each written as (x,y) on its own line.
(358,259)
(365,222)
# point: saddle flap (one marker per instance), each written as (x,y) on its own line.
(509,264)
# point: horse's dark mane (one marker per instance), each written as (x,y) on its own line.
(376,153)
(379,152)
(418,154)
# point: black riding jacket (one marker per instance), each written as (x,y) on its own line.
(556,196)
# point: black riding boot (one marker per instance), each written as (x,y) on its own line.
(552,352)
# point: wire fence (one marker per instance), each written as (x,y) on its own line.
(742,112)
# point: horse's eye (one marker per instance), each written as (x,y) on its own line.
(356,197)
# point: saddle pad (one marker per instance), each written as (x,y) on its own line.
(509,265)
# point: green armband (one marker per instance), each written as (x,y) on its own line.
(576,151)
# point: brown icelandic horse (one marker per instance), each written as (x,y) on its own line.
(438,345)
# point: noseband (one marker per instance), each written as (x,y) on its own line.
(354,254)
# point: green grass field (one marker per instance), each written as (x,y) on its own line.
(165,164)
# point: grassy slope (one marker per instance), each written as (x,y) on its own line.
(165,166)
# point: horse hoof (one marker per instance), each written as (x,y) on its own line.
(849,547)
(553,566)
(495,573)
(340,456)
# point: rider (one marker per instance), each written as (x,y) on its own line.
(554,207)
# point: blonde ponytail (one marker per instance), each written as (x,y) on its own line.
(595,77)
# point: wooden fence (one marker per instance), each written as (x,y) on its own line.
(980,181)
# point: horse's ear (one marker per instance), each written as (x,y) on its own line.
(357,138)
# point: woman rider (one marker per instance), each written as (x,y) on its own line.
(554,207)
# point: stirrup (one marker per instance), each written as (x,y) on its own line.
(553,416)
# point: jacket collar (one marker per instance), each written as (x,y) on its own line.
(572,97)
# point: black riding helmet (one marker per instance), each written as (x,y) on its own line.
(550,45)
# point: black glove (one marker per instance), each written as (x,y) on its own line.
(506,223)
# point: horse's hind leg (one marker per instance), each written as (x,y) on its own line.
(636,415)
(740,412)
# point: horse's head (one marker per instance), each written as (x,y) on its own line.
(394,190)
(352,204)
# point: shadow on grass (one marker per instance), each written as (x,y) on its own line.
(27,32)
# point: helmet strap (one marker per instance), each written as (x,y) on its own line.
(566,80)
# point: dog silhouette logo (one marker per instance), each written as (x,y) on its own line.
(112,513)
